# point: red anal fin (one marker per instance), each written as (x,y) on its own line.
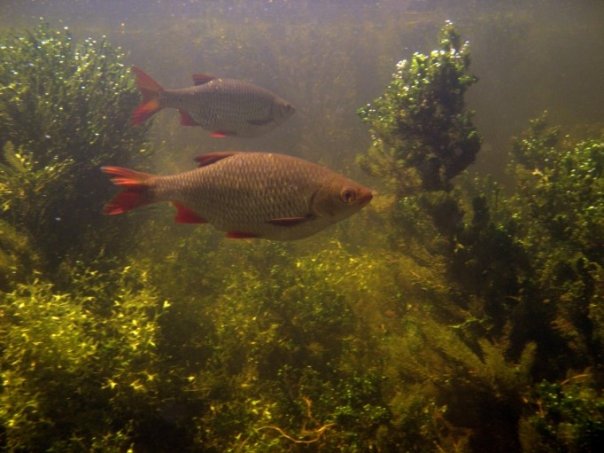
(240,235)
(222,134)
(186,215)
(200,78)
(288,221)
(186,119)
(210,158)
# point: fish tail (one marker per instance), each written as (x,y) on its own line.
(135,191)
(150,90)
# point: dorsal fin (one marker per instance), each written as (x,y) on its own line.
(210,158)
(200,78)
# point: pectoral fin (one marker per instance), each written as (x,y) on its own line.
(289,221)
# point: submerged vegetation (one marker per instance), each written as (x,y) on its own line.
(473,323)
(64,109)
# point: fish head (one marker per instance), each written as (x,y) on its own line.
(282,110)
(339,198)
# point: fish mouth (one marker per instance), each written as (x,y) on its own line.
(365,197)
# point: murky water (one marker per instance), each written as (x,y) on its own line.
(416,324)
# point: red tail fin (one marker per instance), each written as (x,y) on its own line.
(135,193)
(150,90)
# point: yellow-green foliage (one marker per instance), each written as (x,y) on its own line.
(23,185)
(17,258)
(67,359)
(285,329)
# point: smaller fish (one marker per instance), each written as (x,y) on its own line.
(246,194)
(226,107)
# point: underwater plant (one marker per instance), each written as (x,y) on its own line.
(569,416)
(17,258)
(280,335)
(79,369)
(523,270)
(64,110)
(422,135)
(558,211)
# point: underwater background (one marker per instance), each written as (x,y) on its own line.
(460,311)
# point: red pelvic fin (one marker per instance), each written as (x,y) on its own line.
(210,158)
(200,78)
(186,119)
(186,215)
(135,194)
(288,221)
(240,235)
(150,90)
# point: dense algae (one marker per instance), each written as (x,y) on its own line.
(471,324)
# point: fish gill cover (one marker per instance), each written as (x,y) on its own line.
(470,319)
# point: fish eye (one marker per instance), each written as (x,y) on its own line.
(348,195)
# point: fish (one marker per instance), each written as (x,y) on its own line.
(246,194)
(226,107)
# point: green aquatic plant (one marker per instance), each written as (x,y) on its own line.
(422,135)
(17,258)
(64,110)
(569,416)
(79,371)
(275,353)
(23,185)
(284,335)
(461,383)
(523,270)
(558,211)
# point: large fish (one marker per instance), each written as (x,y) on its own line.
(246,194)
(224,106)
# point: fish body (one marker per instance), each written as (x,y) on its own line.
(251,194)
(227,107)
